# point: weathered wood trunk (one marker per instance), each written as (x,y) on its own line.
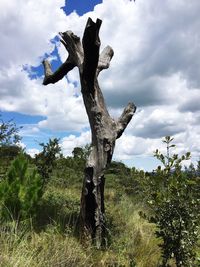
(105,130)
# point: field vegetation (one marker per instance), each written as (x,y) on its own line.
(152,219)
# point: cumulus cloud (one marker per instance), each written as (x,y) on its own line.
(25,36)
(56,102)
(191,102)
(25,24)
(159,123)
(156,65)
(68,143)
(32,152)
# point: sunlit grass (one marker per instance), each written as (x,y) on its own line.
(131,241)
(49,248)
(132,236)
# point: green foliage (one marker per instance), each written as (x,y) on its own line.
(174,200)
(125,180)
(7,154)
(80,155)
(67,173)
(198,168)
(171,193)
(45,160)
(9,149)
(59,207)
(9,133)
(20,191)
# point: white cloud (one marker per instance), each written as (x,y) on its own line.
(30,130)
(25,37)
(57,102)
(68,143)
(32,152)
(25,24)
(156,65)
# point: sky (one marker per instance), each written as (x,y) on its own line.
(156,65)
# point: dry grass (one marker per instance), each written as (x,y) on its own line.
(45,249)
(131,238)
(134,237)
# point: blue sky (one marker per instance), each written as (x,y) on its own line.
(81,7)
(156,65)
(34,72)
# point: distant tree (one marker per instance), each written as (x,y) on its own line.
(78,152)
(198,168)
(9,132)
(80,155)
(46,159)
(9,144)
(190,170)
(9,152)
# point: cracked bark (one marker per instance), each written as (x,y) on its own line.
(105,130)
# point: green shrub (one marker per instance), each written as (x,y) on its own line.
(20,191)
(46,159)
(174,200)
(59,207)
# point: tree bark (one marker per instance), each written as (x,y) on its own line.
(105,130)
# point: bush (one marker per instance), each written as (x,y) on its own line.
(20,191)
(46,159)
(59,207)
(174,200)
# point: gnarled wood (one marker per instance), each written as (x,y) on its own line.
(105,130)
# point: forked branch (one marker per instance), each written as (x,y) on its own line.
(73,45)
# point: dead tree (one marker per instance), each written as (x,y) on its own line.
(105,130)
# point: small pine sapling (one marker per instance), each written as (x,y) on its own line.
(20,191)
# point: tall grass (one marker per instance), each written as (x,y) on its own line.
(131,243)
(53,242)
(49,248)
(132,236)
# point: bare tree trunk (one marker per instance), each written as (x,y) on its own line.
(105,130)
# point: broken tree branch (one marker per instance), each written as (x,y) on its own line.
(74,47)
(105,58)
(125,118)
(91,45)
(51,77)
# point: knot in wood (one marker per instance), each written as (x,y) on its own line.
(107,147)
